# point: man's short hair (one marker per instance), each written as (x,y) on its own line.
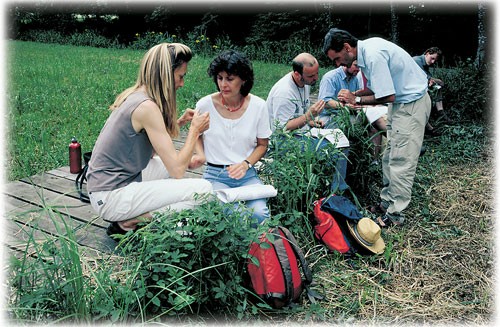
(299,63)
(433,50)
(335,39)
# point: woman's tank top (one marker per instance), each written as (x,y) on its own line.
(119,154)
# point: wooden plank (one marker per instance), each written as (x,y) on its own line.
(22,240)
(63,172)
(30,218)
(54,183)
(44,197)
(41,207)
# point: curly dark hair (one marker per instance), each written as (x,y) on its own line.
(233,63)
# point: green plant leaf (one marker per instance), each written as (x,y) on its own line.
(265,245)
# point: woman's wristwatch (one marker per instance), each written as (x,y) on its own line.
(248,163)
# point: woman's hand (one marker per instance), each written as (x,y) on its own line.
(237,171)
(197,161)
(200,123)
(186,117)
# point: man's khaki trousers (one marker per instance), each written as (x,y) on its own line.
(405,134)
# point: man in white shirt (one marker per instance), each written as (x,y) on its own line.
(289,108)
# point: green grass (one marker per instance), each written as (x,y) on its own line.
(56,92)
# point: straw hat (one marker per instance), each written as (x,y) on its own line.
(367,234)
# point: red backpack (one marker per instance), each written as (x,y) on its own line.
(331,216)
(274,269)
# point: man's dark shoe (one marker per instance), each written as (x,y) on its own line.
(423,149)
(432,132)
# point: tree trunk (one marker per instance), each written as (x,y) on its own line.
(481,35)
(394,24)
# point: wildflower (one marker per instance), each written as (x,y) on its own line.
(153,32)
(202,37)
(214,46)
(136,34)
(174,35)
(197,41)
(161,33)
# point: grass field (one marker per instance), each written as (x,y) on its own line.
(56,92)
(438,268)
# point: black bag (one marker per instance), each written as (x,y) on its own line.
(82,178)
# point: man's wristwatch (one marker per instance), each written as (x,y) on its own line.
(358,100)
(249,164)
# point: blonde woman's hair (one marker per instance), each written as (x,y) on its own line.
(156,75)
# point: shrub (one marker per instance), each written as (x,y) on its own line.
(92,39)
(87,38)
(301,175)
(183,263)
(42,36)
(363,178)
(149,39)
(197,268)
(467,91)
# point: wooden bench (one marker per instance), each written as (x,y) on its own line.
(41,206)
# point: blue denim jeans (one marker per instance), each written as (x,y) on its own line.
(340,159)
(220,179)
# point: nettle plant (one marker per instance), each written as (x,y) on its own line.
(193,261)
(300,174)
(363,178)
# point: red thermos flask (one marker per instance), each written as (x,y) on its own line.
(75,157)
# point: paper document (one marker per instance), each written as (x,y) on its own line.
(375,112)
(334,136)
(245,193)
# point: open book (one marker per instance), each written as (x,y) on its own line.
(334,136)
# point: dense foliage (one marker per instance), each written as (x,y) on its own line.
(273,31)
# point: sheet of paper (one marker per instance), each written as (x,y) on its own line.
(245,193)
(334,136)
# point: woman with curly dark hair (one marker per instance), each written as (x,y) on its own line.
(239,128)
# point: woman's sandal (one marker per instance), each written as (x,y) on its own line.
(385,221)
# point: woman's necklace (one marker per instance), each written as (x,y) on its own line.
(227,107)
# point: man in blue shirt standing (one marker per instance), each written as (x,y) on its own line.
(393,78)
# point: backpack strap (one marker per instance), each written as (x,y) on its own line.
(280,250)
(311,294)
